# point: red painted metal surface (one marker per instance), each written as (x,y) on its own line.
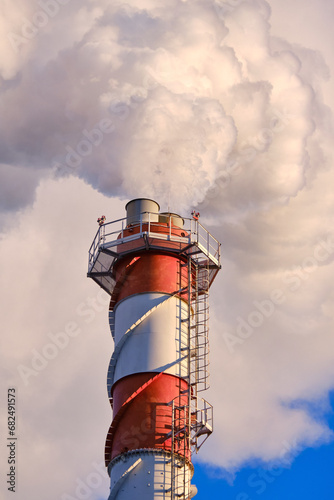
(153,227)
(149,272)
(143,415)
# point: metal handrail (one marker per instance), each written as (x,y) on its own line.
(113,233)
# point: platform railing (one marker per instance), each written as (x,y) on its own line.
(113,233)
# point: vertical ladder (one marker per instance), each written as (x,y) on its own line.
(180,471)
(199,328)
(191,416)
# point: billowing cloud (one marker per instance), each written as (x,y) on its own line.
(203,88)
(193,104)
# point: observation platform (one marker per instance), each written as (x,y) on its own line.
(153,231)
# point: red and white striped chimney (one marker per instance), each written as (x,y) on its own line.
(158,268)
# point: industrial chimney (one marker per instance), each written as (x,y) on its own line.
(157,269)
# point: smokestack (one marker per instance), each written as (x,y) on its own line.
(157,268)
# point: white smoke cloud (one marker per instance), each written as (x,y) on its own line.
(193,104)
(196,87)
(55,328)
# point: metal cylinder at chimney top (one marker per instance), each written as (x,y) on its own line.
(171,218)
(142,209)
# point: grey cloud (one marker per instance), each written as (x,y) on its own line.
(138,65)
(17,188)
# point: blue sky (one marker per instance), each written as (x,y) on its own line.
(309,477)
